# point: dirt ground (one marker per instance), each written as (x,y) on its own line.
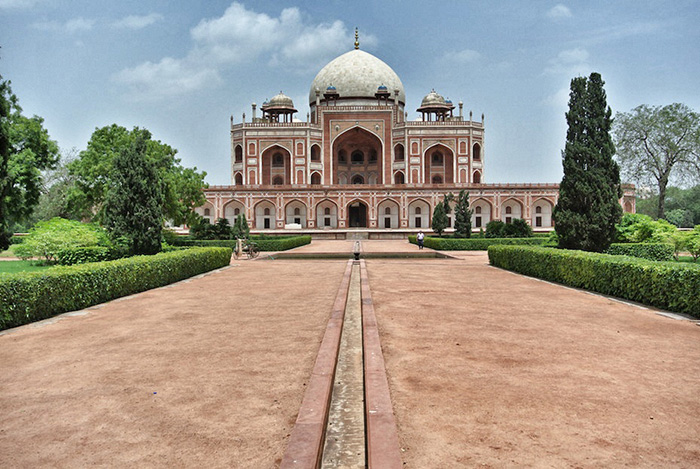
(490,369)
(208,373)
(486,369)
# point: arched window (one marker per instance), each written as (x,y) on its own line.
(315,153)
(477,177)
(358,157)
(342,156)
(277,181)
(327,211)
(207,212)
(398,153)
(477,152)
(398,178)
(437,179)
(478,210)
(538,209)
(438,159)
(315,178)
(387,211)
(239,154)
(358,179)
(297,211)
(267,212)
(239,179)
(418,210)
(373,156)
(236,211)
(509,210)
(277,160)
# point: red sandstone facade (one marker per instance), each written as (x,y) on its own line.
(357,163)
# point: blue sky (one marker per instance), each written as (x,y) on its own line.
(180,69)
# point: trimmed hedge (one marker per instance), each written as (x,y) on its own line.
(83,255)
(473,244)
(666,285)
(31,296)
(651,251)
(268,243)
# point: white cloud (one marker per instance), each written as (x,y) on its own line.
(242,36)
(559,11)
(463,56)
(137,22)
(571,62)
(170,77)
(71,26)
(559,100)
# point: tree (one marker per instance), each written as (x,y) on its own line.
(588,207)
(25,150)
(133,206)
(440,220)
(463,216)
(657,145)
(240,227)
(182,187)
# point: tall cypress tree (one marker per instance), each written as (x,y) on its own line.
(588,208)
(133,205)
(463,216)
(5,102)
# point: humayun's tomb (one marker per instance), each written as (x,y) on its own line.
(357,163)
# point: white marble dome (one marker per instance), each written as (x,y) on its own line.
(356,74)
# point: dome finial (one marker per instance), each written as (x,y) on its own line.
(357,39)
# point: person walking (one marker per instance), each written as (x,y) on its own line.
(420,239)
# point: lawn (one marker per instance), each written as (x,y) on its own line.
(11,267)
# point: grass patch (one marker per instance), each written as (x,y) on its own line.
(12,267)
(9,253)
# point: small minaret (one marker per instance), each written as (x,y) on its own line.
(357,39)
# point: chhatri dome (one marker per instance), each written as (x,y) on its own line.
(357,74)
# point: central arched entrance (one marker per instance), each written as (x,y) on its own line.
(357,214)
(357,158)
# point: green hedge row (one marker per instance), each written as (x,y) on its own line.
(474,244)
(31,296)
(666,285)
(83,255)
(651,251)
(269,243)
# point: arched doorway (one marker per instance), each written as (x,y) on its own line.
(357,152)
(438,164)
(326,215)
(388,214)
(296,213)
(357,214)
(419,214)
(265,215)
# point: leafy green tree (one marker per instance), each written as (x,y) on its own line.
(223,229)
(25,150)
(588,207)
(657,145)
(463,216)
(182,187)
(692,243)
(440,220)
(133,207)
(48,238)
(681,218)
(240,227)
(495,229)
(518,228)
(638,228)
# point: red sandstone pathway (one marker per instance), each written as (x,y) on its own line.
(491,369)
(486,368)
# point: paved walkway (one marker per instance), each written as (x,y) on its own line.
(486,368)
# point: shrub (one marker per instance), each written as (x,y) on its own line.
(473,244)
(494,229)
(265,243)
(47,238)
(83,255)
(638,228)
(669,285)
(651,251)
(517,229)
(32,296)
